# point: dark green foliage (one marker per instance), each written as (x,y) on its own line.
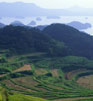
(79,43)
(3,78)
(15,75)
(48,74)
(20,40)
(82,74)
(26,72)
(20,74)
(67,63)
(3,59)
(47,55)
(4,70)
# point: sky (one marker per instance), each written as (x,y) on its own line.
(57,3)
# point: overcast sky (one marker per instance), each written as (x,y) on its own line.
(57,3)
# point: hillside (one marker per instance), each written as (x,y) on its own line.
(36,67)
(20,40)
(78,25)
(78,42)
(2,25)
(54,79)
(17,23)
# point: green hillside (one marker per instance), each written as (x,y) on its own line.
(35,66)
(79,43)
(26,40)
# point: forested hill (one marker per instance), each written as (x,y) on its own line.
(55,40)
(26,40)
(80,43)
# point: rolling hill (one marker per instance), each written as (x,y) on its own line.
(78,42)
(26,40)
(43,65)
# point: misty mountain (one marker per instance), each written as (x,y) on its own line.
(27,9)
(41,27)
(17,23)
(2,25)
(80,43)
(38,19)
(75,24)
(55,39)
(19,39)
(78,25)
(32,23)
(19,9)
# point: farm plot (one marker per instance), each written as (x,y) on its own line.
(24,68)
(86,81)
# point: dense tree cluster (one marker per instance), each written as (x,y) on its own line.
(55,40)
(26,40)
(79,43)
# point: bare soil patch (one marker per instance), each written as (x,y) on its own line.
(54,72)
(24,68)
(41,71)
(86,81)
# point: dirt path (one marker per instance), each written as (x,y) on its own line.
(69,75)
(72,99)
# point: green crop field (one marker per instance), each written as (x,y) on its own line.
(39,78)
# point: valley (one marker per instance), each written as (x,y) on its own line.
(47,83)
(47,65)
(46,50)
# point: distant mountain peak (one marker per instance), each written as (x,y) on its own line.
(17,23)
(30,9)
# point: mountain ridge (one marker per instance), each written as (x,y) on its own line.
(20,9)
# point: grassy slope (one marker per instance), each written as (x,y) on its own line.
(91,99)
(49,87)
(4,95)
(21,97)
(1,94)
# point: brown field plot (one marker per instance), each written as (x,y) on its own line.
(24,68)
(86,81)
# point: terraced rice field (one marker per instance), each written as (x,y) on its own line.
(52,88)
(54,72)
(74,99)
(40,71)
(34,83)
(24,68)
(86,81)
